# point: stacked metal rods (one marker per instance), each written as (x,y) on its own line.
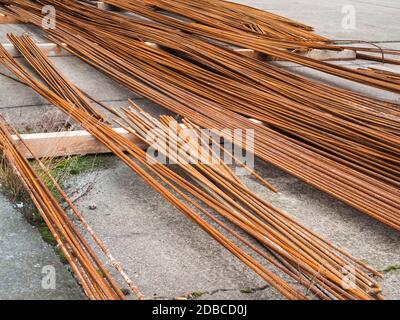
(217,195)
(223,15)
(364,136)
(346,144)
(269,46)
(230,197)
(235,18)
(230,18)
(256,20)
(257,15)
(86,265)
(393,76)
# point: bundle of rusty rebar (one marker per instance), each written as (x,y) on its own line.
(232,17)
(272,47)
(347,144)
(313,262)
(87,267)
(233,200)
(393,76)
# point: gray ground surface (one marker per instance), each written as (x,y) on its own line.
(168,256)
(163,252)
(376,20)
(23,256)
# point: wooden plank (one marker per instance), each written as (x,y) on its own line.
(251,53)
(5,19)
(329,55)
(54,50)
(51,49)
(105,6)
(62,144)
(317,54)
(71,143)
(153,45)
(320,55)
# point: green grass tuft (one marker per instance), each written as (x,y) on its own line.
(60,255)
(125,291)
(101,273)
(46,234)
(61,170)
(196,294)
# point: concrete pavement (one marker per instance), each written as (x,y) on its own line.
(26,261)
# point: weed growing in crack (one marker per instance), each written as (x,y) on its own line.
(61,169)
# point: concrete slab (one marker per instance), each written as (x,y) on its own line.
(167,255)
(161,250)
(20,29)
(375,20)
(83,75)
(24,258)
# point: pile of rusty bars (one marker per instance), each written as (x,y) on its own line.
(212,26)
(90,272)
(219,196)
(341,142)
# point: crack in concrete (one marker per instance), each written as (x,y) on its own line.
(197,294)
(246,290)
(391,269)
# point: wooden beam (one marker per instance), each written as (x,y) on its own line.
(51,49)
(54,50)
(250,53)
(69,143)
(329,55)
(151,44)
(105,6)
(321,55)
(5,19)
(317,54)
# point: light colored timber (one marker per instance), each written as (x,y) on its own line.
(251,53)
(63,144)
(6,19)
(317,54)
(71,143)
(105,6)
(329,55)
(54,50)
